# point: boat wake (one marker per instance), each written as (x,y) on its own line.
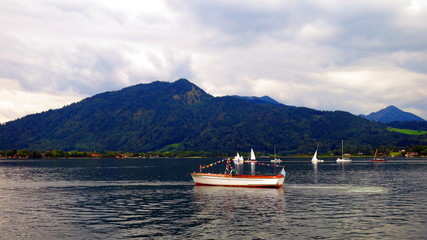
(65,184)
(340,188)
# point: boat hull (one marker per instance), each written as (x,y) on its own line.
(343,160)
(227,180)
(378,160)
(317,161)
(276,161)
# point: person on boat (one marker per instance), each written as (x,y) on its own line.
(227,167)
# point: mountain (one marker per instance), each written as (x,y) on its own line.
(181,116)
(392,114)
(264,99)
(141,117)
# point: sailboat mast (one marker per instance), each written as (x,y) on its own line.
(274,151)
(342,149)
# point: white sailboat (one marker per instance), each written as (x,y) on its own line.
(238,159)
(275,160)
(314,159)
(252,157)
(377,158)
(343,159)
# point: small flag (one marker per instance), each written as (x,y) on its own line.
(283,172)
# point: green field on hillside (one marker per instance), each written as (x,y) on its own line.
(406,131)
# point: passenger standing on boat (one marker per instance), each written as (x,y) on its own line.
(227,167)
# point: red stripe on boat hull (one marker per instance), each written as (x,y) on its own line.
(247,186)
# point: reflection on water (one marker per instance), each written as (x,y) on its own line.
(239,168)
(253,167)
(237,212)
(315,172)
(156,199)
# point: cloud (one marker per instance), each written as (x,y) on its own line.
(17,102)
(304,53)
(375,87)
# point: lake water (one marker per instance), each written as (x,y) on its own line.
(157,199)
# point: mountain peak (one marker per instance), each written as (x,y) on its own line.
(183,81)
(392,114)
(392,107)
(188,92)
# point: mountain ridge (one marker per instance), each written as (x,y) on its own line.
(263,99)
(391,114)
(158,115)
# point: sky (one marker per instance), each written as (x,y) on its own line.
(357,55)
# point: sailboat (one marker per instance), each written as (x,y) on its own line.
(377,158)
(343,159)
(314,159)
(252,157)
(238,159)
(275,160)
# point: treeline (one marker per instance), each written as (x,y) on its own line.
(421,150)
(414,125)
(37,154)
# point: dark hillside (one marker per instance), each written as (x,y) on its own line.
(180,115)
(392,114)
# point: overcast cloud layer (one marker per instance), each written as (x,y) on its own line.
(357,56)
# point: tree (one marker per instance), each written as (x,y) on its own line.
(36,154)
(11,153)
(24,153)
(55,153)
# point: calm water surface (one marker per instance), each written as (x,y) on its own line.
(156,199)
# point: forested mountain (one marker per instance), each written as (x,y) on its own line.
(181,116)
(392,114)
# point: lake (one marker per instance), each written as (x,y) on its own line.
(157,199)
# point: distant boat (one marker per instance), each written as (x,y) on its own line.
(275,160)
(252,157)
(343,159)
(238,159)
(315,159)
(377,158)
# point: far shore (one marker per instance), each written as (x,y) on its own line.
(201,157)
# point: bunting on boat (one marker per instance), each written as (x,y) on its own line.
(213,164)
(227,159)
(270,165)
